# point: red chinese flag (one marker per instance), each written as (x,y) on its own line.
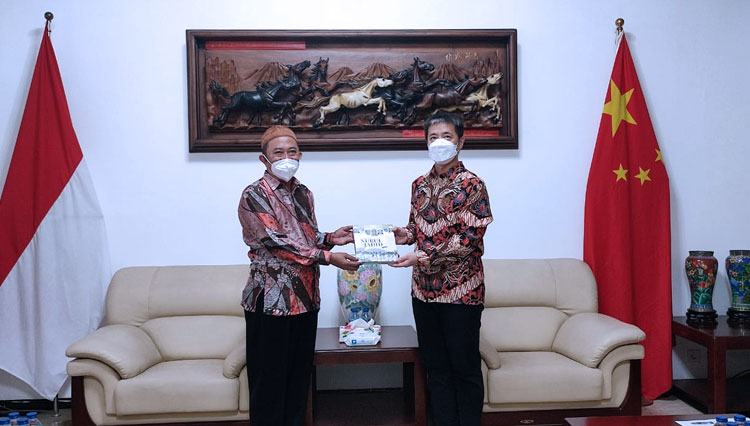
(626,229)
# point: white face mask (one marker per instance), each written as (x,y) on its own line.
(442,151)
(284,169)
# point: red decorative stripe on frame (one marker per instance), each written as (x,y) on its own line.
(419,133)
(412,133)
(256,45)
(479,133)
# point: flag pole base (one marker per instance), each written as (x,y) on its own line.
(702,318)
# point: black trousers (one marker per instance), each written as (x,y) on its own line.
(449,348)
(280,353)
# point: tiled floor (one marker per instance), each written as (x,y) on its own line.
(668,405)
(48,419)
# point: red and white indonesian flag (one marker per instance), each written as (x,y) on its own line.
(54,258)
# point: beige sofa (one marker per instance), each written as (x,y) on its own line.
(547,354)
(171,349)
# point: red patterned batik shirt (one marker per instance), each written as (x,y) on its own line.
(449,216)
(286,247)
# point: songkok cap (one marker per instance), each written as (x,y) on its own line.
(274,132)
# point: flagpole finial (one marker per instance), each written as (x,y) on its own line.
(619,22)
(49,16)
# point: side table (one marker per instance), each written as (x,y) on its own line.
(712,392)
(397,345)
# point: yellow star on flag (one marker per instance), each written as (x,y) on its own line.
(617,106)
(621,173)
(658,156)
(643,175)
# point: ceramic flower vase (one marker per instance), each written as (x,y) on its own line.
(738,272)
(360,289)
(701,267)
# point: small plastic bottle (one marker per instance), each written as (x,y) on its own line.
(4,421)
(354,315)
(740,419)
(13,417)
(732,424)
(33,418)
(721,421)
(366,314)
(23,421)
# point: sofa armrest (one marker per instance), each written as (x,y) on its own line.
(488,353)
(588,337)
(618,356)
(235,361)
(125,348)
(104,377)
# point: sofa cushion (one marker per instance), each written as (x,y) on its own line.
(565,284)
(518,282)
(178,387)
(140,293)
(127,296)
(576,286)
(197,336)
(521,328)
(542,377)
(197,290)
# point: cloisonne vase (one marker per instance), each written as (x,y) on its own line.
(738,272)
(701,267)
(360,289)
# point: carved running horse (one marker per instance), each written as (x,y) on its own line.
(252,100)
(269,95)
(354,99)
(453,94)
(479,99)
(408,88)
(319,79)
(289,92)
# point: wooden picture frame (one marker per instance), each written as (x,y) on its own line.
(242,81)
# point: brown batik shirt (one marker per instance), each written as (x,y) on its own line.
(286,247)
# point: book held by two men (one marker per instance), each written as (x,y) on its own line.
(374,243)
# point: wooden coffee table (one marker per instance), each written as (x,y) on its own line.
(634,420)
(406,407)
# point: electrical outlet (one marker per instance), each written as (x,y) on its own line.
(694,355)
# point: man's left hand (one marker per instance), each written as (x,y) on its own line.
(405,261)
(342,236)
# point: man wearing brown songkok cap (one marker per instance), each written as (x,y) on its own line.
(282,298)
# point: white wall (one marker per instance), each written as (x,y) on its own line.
(123,65)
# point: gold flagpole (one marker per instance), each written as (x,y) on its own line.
(619,22)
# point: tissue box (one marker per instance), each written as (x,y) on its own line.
(355,336)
